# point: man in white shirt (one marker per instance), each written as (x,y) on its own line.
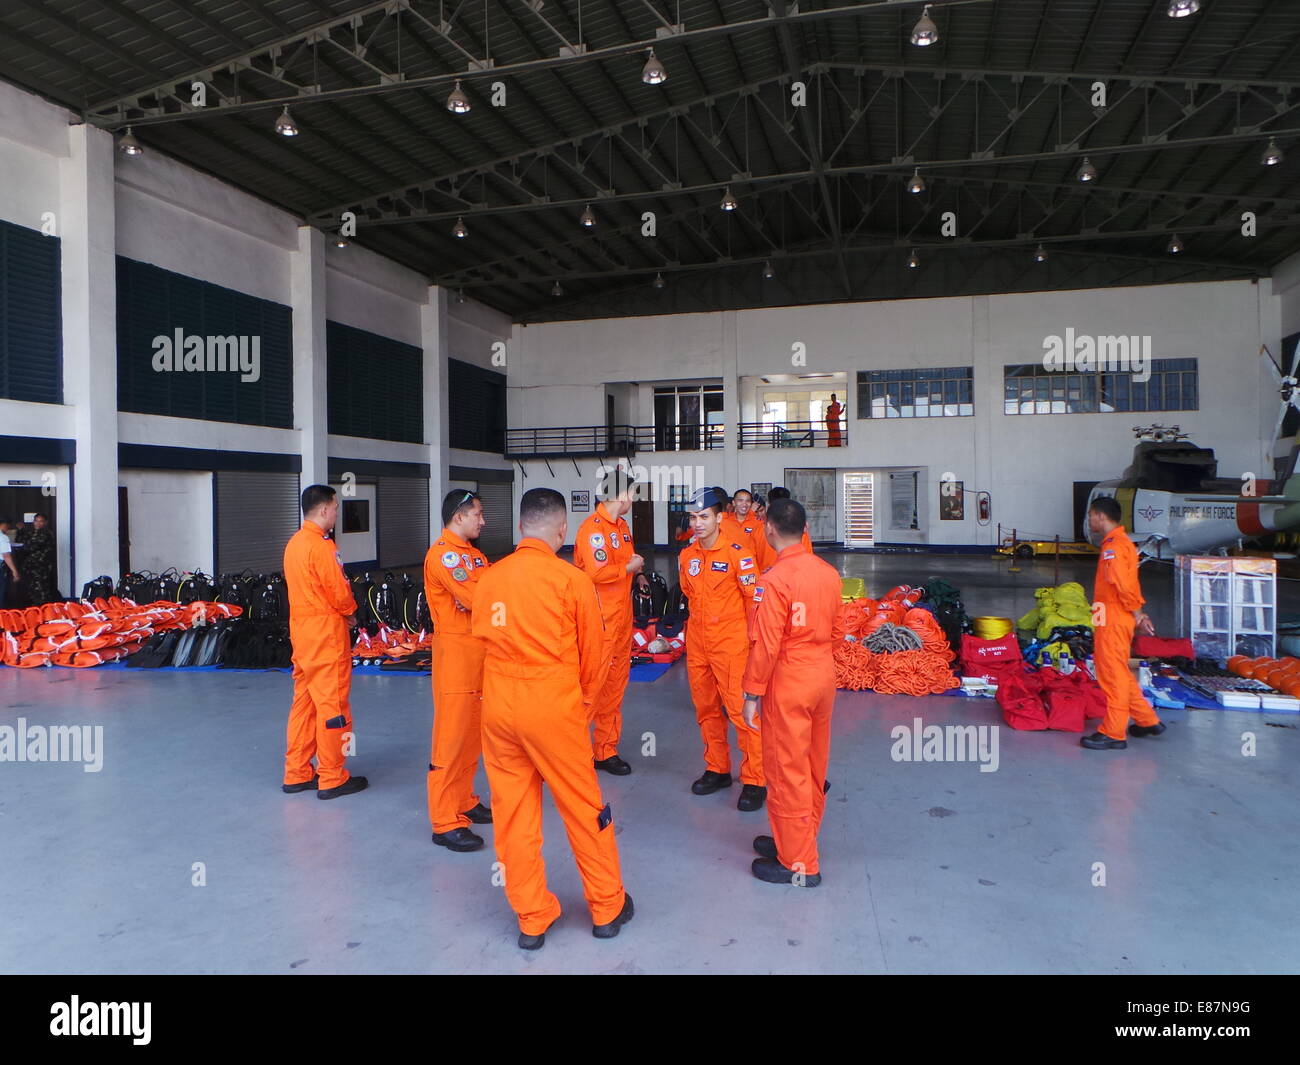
(8,570)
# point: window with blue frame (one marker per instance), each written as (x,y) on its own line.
(942,392)
(1032,388)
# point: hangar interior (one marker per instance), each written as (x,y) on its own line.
(407,247)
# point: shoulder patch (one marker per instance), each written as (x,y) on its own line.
(451,560)
(459,573)
(596,540)
(747,579)
(600,555)
(613,541)
(1106,556)
(746,563)
(758,593)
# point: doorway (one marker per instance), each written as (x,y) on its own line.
(643,523)
(859,516)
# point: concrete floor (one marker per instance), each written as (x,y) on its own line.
(928,867)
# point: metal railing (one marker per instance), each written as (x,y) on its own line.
(560,440)
(791,434)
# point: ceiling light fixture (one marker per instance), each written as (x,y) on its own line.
(1087,172)
(653,73)
(925,32)
(1183,8)
(128,145)
(557,289)
(1040,255)
(768,272)
(913,260)
(1272,154)
(659,281)
(588,217)
(916,183)
(340,241)
(284,124)
(1175,244)
(457,101)
(460,230)
(729,202)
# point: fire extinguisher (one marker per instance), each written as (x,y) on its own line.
(983,507)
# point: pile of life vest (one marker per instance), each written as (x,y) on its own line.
(920,666)
(389,644)
(85,634)
(1063,607)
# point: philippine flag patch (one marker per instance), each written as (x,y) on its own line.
(746,563)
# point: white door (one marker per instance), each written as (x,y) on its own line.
(859,521)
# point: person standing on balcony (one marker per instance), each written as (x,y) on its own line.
(833,414)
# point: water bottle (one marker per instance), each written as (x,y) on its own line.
(1144,675)
(1065,663)
(1045,662)
(1091,667)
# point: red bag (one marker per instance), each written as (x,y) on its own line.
(1157,647)
(1066,704)
(1020,696)
(980,657)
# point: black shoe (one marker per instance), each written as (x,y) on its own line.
(1147,730)
(1099,741)
(458,839)
(306,785)
(711,782)
(752,797)
(766,846)
(527,942)
(348,787)
(615,765)
(609,931)
(770,871)
(480,815)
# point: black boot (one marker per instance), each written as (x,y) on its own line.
(614,765)
(609,931)
(458,839)
(1147,730)
(349,787)
(479,815)
(752,797)
(306,785)
(1099,741)
(711,782)
(770,871)
(766,846)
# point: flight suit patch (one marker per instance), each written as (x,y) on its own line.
(479,561)
(746,563)
(451,559)
(613,541)
(460,574)
(596,540)
(601,556)
(758,594)
(694,568)
(720,567)
(747,580)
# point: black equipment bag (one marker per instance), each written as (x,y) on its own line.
(196,587)
(677,605)
(415,606)
(100,588)
(383,605)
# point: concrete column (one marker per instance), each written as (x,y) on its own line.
(988,464)
(310,410)
(433,329)
(86,224)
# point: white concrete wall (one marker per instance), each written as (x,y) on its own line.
(1028,463)
(170,517)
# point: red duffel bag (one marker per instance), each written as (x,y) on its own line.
(1020,696)
(979,657)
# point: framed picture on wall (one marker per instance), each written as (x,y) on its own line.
(760,489)
(952,505)
(580,502)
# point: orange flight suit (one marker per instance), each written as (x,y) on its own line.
(749,533)
(320,597)
(540,619)
(833,429)
(602,549)
(792,668)
(719,583)
(1118,590)
(451,570)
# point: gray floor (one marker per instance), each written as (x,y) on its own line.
(929,867)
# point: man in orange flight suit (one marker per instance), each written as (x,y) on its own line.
(321,611)
(1117,612)
(834,412)
(780,492)
(546,657)
(792,671)
(718,577)
(451,570)
(746,528)
(603,550)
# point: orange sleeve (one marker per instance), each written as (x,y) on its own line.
(328,571)
(1124,578)
(601,570)
(767,632)
(591,637)
(461,591)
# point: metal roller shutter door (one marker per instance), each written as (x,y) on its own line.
(497,538)
(256,514)
(403,520)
